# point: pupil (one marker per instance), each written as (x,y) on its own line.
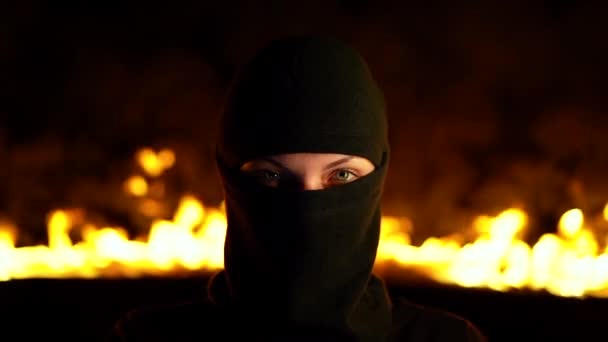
(272,175)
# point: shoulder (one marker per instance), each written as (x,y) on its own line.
(175,322)
(414,322)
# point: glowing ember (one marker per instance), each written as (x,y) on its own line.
(570,262)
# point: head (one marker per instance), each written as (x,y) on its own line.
(302,155)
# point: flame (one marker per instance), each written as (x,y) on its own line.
(136,185)
(569,262)
(154,164)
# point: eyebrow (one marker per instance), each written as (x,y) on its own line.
(338,162)
(328,166)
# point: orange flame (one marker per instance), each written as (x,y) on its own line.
(569,262)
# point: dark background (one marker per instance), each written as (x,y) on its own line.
(491,105)
(86,310)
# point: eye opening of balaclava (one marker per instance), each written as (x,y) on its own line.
(307,256)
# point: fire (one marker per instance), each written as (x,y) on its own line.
(155,163)
(136,185)
(570,262)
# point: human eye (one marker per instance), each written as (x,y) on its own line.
(266,177)
(342,176)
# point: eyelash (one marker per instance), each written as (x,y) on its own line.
(269,176)
(266,175)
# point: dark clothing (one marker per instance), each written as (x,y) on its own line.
(304,94)
(215,319)
(204,321)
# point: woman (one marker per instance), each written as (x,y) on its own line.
(302,155)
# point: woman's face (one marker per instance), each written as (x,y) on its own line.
(307,171)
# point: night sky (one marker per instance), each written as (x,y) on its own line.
(489,106)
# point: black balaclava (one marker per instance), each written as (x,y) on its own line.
(304,259)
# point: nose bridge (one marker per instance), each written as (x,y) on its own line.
(311,181)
